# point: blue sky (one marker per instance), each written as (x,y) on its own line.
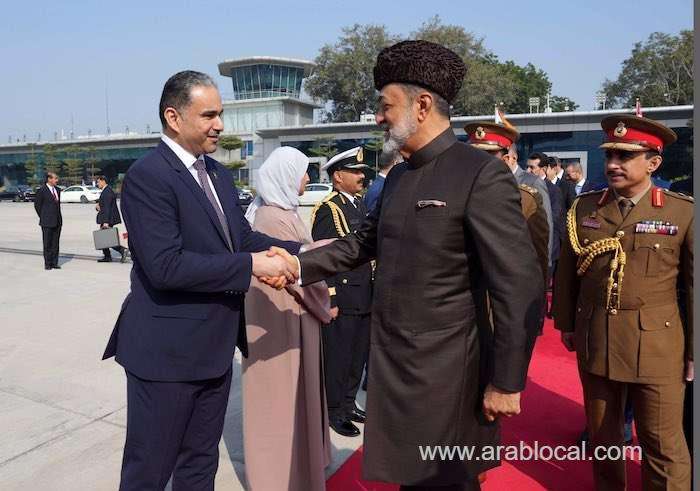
(59,56)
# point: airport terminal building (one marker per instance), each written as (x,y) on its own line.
(268,109)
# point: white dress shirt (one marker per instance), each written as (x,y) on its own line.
(579,186)
(189,160)
(54,193)
(350,198)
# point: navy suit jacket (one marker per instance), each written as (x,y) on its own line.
(373,193)
(558,219)
(184,314)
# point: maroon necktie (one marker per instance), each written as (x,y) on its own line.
(55,194)
(204,183)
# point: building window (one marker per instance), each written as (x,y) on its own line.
(247,149)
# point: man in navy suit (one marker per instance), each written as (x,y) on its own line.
(193,257)
(386,162)
(48,207)
(574,172)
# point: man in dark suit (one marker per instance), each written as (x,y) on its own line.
(194,254)
(537,164)
(574,173)
(346,339)
(555,174)
(108,216)
(48,206)
(386,162)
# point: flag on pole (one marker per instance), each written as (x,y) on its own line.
(497,116)
(638,108)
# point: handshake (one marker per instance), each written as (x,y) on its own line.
(275,267)
(278,268)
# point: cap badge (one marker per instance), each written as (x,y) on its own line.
(621,130)
(360,156)
(480,134)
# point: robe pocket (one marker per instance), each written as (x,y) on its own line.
(195,312)
(657,251)
(433,212)
(661,341)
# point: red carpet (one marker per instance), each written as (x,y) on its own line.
(552,414)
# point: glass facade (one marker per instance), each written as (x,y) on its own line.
(265,80)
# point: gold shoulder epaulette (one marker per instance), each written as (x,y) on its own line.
(529,189)
(678,195)
(319,204)
(591,193)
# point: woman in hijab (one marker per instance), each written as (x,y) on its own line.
(285,421)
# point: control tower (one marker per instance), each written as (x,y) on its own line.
(267,93)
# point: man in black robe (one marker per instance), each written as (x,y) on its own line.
(447,227)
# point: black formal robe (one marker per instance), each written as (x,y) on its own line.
(433,264)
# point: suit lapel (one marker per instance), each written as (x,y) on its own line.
(193,186)
(225,192)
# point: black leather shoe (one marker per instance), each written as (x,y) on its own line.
(358,415)
(56,267)
(47,267)
(345,428)
(123,259)
(105,260)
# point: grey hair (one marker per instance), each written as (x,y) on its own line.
(177,90)
(441,105)
(576,165)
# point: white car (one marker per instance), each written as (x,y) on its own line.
(80,194)
(313,193)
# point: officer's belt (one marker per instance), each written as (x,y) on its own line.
(636,303)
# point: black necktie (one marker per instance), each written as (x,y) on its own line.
(626,206)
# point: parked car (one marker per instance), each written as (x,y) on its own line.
(245,197)
(16,193)
(313,193)
(80,194)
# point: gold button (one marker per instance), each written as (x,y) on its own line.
(667,323)
(345,281)
(586,241)
(613,311)
(615,286)
(656,246)
(620,233)
(578,310)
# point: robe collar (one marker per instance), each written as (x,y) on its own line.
(430,151)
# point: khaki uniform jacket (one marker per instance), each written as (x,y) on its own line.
(643,339)
(536,218)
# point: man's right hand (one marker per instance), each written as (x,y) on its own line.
(567,339)
(272,269)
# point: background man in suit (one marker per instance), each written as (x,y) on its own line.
(538,164)
(574,173)
(48,206)
(194,254)
(108,216)
(346,339)
(386,162)
(555,174)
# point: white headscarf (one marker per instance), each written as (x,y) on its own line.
(278,180)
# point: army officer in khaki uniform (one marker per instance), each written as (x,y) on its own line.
(629,249)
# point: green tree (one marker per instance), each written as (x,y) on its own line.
(343,74)
(454,37)
(75,166)
(230,142)
(323,147)
(375,145)
(659,71)
(51,161)
(560,104)
(31,166)
(91,162)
